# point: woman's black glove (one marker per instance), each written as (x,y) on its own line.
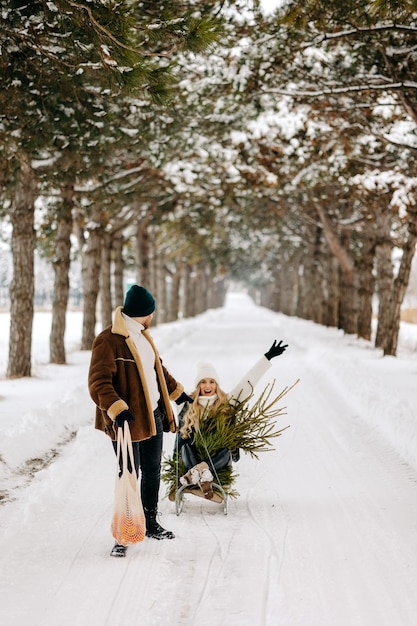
(184,398)
(124,416)
(275,350)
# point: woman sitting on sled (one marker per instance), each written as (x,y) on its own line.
(202,456)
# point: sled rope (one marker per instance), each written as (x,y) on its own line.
(210,461)
(177,478)
(177,463)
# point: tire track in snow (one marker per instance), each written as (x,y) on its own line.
(204,562)
(275,555)
(354,477)
(209,516)
(214,571)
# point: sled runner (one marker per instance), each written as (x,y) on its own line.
(219,495)
(201,480)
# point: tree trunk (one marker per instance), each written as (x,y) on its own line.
(366,280)
(219,290)
(90,273)
(210,302)
(158,288)
(191,286)
(348,305)
(348,302)
(385,275)
(23,283)
(188,298)
(333,293)
(200,289)
(339,246)
(336,245)
(269,294)
(289,279)
(143,255)
(174,305)
(310,279)
(105,281)
(317,291)
(301,306)
(306,294)
(118,271)
(400,287)
(266,295)
(61,265)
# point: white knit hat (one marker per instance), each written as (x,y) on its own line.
(206,370)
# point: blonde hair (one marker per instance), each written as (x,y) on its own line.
(195,411)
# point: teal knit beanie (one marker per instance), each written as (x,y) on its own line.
(138,302)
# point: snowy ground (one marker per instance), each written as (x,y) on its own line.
(324,532)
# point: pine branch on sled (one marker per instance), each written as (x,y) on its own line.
(242,425)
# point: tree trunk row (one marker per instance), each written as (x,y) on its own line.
(326,284)
(321,281)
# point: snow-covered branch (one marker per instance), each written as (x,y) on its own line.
(341,90)
(377,28)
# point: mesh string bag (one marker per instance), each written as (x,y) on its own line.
(128,522)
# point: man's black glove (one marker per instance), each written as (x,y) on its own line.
(124,416)
(275,350)
(184,398)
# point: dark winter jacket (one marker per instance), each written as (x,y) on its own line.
(117,382)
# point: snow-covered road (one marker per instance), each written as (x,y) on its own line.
(324,532)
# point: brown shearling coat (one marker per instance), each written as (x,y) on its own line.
(116,382)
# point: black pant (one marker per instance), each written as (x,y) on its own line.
(218,461)
(147,455)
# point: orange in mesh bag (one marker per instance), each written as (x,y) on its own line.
(128,523)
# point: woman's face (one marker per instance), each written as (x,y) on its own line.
(208,387)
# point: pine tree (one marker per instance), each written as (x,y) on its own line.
(63,65)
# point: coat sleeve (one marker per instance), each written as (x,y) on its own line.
(179,442)
(246,385)
(175,388)
(100,378)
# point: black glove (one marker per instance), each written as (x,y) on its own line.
(184,398)
(124,416)
(275,350)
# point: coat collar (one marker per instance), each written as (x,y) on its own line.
(119,325)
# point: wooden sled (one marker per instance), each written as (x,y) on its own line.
(220,496)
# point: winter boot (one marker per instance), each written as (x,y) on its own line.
(200,475)
(206,482)
(118,550)
(191,477)
(153,528)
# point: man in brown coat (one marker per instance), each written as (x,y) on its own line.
(127,381)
